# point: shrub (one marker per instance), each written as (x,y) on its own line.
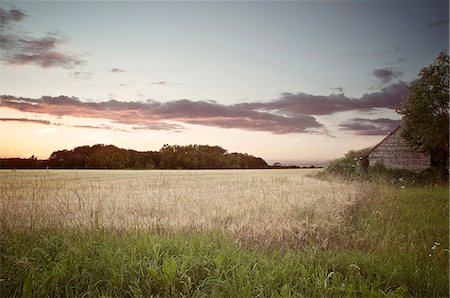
(355,166)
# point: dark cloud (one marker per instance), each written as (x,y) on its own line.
(19,48)
(291,113)
(46,122)
(116,70)
(9,16)
(26,120)
(45,59)
(338,89)
(386,75)
(370,127)
(154,115)
(305,104)
(439,23)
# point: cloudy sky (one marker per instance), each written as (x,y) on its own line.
(296,82)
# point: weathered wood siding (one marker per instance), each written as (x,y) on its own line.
(395,152)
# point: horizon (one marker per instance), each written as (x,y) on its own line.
(270,163)
(292,82)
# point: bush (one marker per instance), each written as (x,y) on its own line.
(352,165)
(355,166)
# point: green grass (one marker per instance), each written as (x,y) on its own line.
(409,228)
(134,264)
(385,248)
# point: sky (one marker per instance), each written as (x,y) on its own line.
(298,82)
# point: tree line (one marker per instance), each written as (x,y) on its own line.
(168,157)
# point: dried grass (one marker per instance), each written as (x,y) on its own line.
(264,206)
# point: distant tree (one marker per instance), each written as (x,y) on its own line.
(169,157)
(425,111)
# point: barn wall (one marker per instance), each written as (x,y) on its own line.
(395,152)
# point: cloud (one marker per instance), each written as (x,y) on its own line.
(338,89)
(158,126)
(46,122)
(154,115)
(370,127)
(101,126)
(291,113)
(45,59)
(159,83)
(386,52)
(436,24)
(81,75)
(116,70)
(25,120)
(440,23)
(13,15)
(19,48)
(386,75)
(305,104)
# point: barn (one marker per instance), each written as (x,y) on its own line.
(394,152)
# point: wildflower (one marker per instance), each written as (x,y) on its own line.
(436,244)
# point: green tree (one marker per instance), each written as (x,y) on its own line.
(425,111)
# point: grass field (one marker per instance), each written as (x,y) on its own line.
(218,233)
(265,206)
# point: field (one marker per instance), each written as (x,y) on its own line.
(264,206)
(218,233)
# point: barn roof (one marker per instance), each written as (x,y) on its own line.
(384,139)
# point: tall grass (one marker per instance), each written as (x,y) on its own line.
(406,227)
(105,263)
(266,207)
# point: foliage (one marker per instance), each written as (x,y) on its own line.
(206,157)
(425,110)
(169,157)
(354,163)
(22,163)
(354,167)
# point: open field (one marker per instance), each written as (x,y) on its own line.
(266,233)
(257,205)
